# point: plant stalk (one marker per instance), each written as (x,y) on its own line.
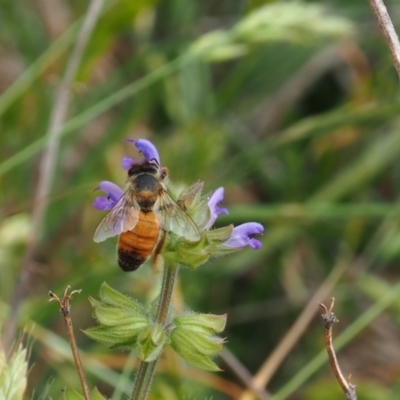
(146,370)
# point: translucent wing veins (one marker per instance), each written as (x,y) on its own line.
(121,218)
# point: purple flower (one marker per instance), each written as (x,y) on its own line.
(113,194)
(127,162)
(147,148)
(112,191)
(241,236)
(216,198)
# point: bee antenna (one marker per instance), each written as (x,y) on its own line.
(155,161)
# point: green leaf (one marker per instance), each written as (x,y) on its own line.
(221,234)
(150,343)
(96,395)
(114,298)
(201,323)
(72,394)
(114,334)
(112,316)
(130,344)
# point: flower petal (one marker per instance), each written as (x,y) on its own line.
(127,162)
(147,148)
(101,203)
(113,194)
(241,236)
(216,198)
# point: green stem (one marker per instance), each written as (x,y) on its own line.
(143,380)
(145,372)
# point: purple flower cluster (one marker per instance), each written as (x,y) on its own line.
(241,236)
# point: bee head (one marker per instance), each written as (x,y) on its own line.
(146,167)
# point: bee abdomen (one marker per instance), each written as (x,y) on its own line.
(135,246)
(133,241)
(129,260)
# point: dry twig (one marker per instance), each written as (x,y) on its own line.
(386,26)
(65,310)
(271,364)
(329,318)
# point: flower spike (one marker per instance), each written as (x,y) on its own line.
(187,240)
(196,210)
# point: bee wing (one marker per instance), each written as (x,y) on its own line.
(121,218)
(174,219)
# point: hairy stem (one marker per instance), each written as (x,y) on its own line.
(145,372)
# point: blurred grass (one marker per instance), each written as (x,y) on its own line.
(313,156)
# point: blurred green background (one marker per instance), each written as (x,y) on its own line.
(292,107)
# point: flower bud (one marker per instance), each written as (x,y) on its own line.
(196,348)
(204,344)
(220,235)
(207,324)
(120,318)
(186,253)
(13,373)
(190,198)
(150,342)
(116,336)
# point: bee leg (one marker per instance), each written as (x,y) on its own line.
(156,259)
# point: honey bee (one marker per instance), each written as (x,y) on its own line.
(143,215)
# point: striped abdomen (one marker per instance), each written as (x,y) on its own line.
(135,246)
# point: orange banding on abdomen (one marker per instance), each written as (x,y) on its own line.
(142,239)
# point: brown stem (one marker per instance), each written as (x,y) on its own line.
(386,26)
(65,309)
(329,318)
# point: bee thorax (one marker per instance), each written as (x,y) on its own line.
(146,183)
